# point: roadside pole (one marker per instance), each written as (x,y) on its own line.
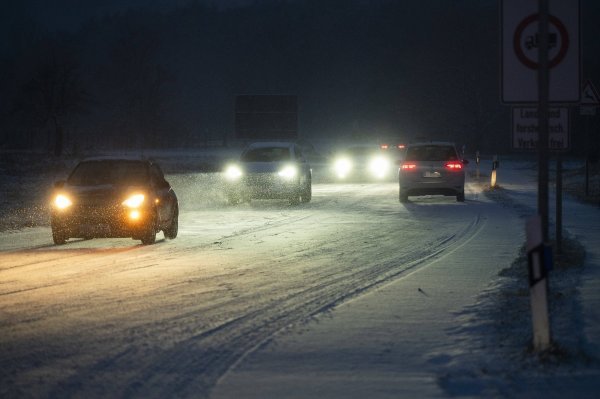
(538,284)
(535,42)
(543,142)
(559,194)
(536,239)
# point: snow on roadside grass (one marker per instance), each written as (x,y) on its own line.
(495,334)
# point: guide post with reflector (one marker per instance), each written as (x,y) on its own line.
(538,261)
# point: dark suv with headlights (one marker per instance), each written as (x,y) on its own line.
(270,170)
(114,197)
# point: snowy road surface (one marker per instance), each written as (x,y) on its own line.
(112,318)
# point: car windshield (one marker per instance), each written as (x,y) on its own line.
(266,154)
(362,151)
(90,173)
(431,153)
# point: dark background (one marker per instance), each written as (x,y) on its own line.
(80,75)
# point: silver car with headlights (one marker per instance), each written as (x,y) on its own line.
(114,197)
(269,170)
(432,168)
(362,163)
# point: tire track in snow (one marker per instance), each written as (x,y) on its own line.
(195,365)
(302,280)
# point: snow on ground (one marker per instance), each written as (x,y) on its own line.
(375,346)
(475,342)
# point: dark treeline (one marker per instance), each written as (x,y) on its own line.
(360,69)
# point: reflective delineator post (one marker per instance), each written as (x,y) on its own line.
(494,167)
(538,284)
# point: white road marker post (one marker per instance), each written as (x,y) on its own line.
(538,284)
(494,167)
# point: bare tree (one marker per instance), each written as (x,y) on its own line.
(136,83)
(54,93)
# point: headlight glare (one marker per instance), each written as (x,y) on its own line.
(134,201)
(61,201)
(342,167)
(233,172)
(288,172)
(379,166)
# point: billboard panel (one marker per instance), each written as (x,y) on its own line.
(266,117)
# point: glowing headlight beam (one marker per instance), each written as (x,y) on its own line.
(342,167)
(233,172)
(61,201)
(288,172)
(135,201)
(379,166)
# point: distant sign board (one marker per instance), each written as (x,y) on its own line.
(520,42)
(266,117)
(525,128)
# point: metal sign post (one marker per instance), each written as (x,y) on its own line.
(543,81)
(539,36)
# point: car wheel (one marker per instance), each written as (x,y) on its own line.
(403,196)
(58,237)
(233,199)
(171,231)
(307,193)
(295,198)
(149,236)
(460,197)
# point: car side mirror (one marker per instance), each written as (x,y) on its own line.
(165,184)
(465,161)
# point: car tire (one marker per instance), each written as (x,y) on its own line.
(306,195)
(402,196)
(233,199)
(295,199)
(58,237)
(172,230)
(149,236)
(460,197)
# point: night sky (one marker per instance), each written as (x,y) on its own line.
(360,69)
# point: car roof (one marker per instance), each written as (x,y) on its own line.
(422,143)
(118,158)
(267,144)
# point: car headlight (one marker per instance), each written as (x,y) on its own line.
(342,167)
(233,172)
(134,201)
(61,201)
(288,172)
(379,166)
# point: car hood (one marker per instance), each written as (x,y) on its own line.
(102,194)
(264,167)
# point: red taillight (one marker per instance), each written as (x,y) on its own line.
(454,165)
(409,166)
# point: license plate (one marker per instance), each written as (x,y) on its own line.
(95,229)
(432,174)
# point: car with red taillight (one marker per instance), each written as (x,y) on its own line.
(432,168)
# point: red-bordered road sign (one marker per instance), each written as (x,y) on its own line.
(520,40)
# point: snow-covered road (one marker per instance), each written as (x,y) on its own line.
(112,318)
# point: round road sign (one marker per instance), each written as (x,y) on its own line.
(519,41)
